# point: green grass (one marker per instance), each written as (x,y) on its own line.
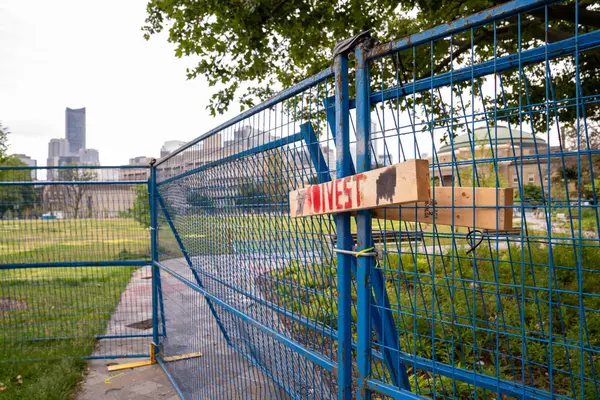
(481,310)
(197,231)
(67,307)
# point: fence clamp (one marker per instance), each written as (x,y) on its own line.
(345,46)
(369,252)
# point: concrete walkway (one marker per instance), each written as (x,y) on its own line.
(220,373)
(133,384)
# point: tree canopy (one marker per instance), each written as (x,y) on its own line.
(4,132)
(251,49)
(16,199)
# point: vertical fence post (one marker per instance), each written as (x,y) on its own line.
(363,222)
(154,250)
(344,237)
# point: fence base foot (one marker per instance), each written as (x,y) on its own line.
(152,360)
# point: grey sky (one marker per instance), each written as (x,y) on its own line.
(83,53)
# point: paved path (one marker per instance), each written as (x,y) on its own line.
(135,384)
(140,383)
(221,373)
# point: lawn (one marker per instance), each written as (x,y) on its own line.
(494,313)
(52,315)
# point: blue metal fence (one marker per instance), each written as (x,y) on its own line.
(500,99)
(250,303)
(74,255)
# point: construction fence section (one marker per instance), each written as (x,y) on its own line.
(419,220)
(74,255)
(488,288)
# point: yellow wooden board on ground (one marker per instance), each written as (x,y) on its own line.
(150,361)
(402,183)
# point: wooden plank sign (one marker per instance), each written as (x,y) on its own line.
(458,211)
(402,183)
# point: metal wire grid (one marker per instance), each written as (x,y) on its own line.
(222,370)
(439,295)
(71,252)
(63,312)
(517,316)
(225,216)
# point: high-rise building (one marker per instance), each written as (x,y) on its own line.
(58,148)
(89,157)
(136,174)
(25,159)
(71,150)
(75,129)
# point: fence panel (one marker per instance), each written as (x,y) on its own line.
(269,281)
(502,301)
(74,255)
(488,290)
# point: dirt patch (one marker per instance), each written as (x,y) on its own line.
(145,324)
(8,304)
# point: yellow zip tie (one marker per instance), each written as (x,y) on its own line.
(107,380)
(364,251)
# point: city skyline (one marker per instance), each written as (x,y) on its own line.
(41,74)
(71,149)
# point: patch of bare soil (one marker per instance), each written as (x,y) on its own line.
(8,304)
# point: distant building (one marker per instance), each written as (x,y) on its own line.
(136,174)
(106,174)
(25,159)
(170,146)
(522,157)
(141,161)
(71,150)
(384,160)
(89,157)
(301,161)
(94,201)
(248,137)
(68,160)
(75,129)
(58,148)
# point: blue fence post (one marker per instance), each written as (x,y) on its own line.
(344,237)
(154,250)
(364,227)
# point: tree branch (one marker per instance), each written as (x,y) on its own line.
(467,45)
(567,13)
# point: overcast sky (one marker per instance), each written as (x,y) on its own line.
(83,53)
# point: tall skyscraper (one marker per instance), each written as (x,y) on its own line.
(75,125)
(71,150)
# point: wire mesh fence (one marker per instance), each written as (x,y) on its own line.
(74,242)
(223,220)
(501,308)
(488,289)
